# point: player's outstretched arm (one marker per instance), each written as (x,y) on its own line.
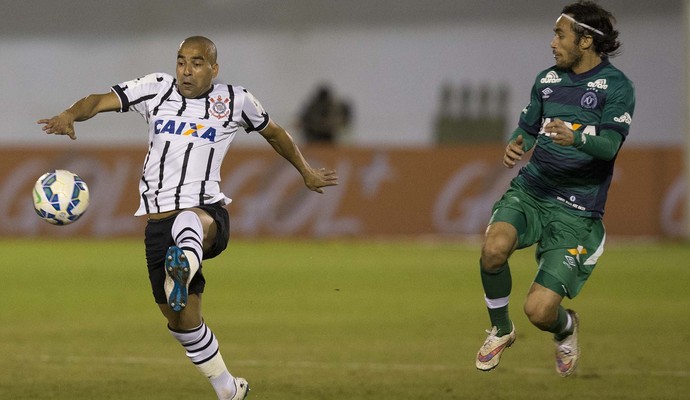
(280,139)
(83,109)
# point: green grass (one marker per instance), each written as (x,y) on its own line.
(334,321)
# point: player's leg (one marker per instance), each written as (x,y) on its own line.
(183,259)
(199,341)
(187,325)
(557,255)
(202,348)
(567,256)
(499,242)
(544,310)
(514,224)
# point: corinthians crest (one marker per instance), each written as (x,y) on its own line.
(219,107)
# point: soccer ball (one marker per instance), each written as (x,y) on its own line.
(60,197)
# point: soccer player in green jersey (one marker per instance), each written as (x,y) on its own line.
(579,114)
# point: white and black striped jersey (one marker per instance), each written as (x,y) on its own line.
(188,139)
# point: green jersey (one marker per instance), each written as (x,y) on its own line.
(602,99)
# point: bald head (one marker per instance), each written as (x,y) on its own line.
(204,43)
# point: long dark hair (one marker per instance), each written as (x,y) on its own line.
(590,13)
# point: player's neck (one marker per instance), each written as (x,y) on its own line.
(588,62)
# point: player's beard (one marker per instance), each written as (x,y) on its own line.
(572,61)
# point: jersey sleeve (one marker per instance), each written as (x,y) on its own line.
(619,108)
(528,141)
(135,94)
(254,117)
(531,116)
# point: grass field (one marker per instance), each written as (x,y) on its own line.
(334,321)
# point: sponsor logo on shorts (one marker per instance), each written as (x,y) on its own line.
(579,250)
(570,262)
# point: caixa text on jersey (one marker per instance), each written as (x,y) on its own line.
(185,129)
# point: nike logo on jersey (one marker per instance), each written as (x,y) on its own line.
(184,129)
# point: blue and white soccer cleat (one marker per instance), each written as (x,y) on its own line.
(177,274)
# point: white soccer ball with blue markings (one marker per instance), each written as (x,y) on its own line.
(60,197)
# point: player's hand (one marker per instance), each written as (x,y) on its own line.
(514,152)
(559,133)
(319,178)
(61,124)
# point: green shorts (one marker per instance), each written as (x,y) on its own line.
(568,245)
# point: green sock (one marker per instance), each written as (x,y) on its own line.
(500,318)
(560,328)
(497,287)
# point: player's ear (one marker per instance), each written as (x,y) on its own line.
(586,42)
(214,67)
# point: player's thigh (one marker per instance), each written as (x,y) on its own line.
(521,212)
(216,223)
(568,253)
(209,226)
(157,239)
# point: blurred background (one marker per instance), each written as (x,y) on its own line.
(415,87)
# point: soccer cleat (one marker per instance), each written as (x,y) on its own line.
(568,350)
(177,273)
(241,389)
(490,353)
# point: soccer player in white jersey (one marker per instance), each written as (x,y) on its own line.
(191,124)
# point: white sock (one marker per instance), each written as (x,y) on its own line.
(188,234)
(202,349)
(224,385)
(569,324)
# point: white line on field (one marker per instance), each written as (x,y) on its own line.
(340,365)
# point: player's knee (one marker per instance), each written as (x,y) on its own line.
(540,316)
(499,242)
(494,256)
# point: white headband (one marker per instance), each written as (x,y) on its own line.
(582,25)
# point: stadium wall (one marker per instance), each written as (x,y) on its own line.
(389,58)
(382,192)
